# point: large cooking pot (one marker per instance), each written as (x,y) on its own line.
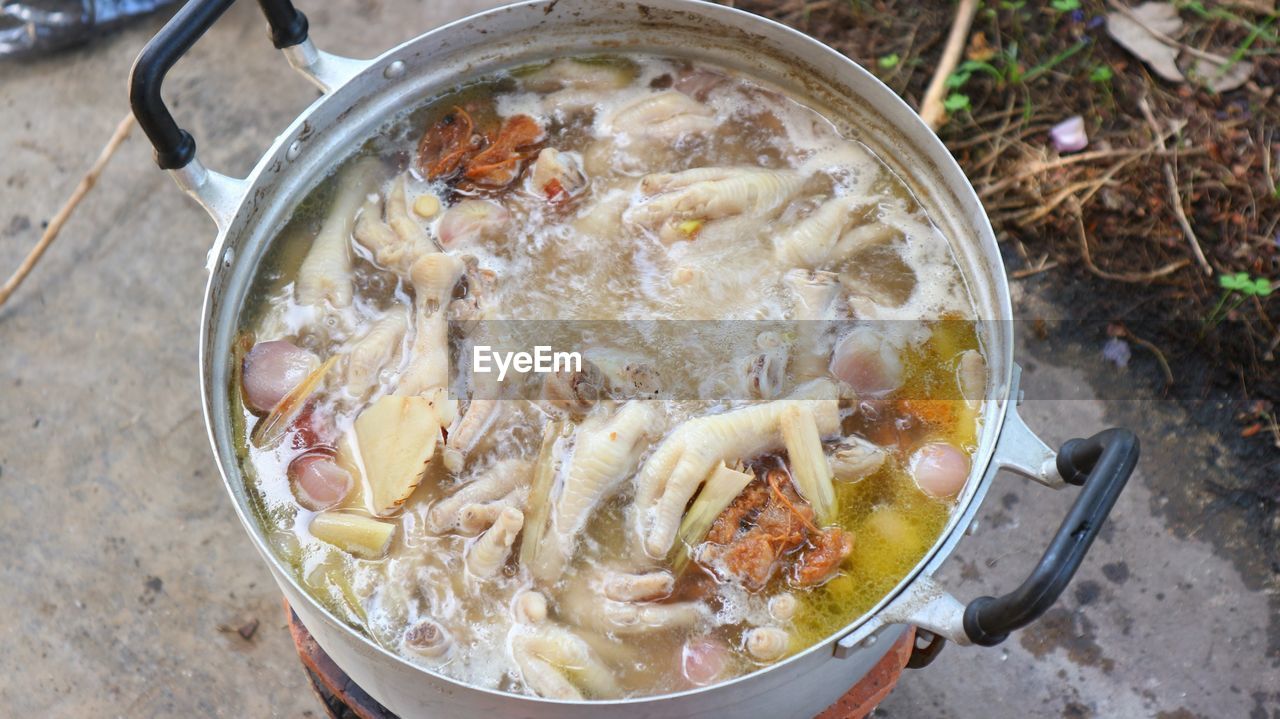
(359,96)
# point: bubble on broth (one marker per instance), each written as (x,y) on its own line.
(586,261)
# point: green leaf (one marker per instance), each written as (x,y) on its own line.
(1101,73)
(1225,282)
(956,102)
(890,61)
(1012,4)
(1260,287)
(1065,5)
(1241,282)
(957,79)
(971,66)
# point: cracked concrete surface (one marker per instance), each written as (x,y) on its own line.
(126,576)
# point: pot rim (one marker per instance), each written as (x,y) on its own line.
(999,384)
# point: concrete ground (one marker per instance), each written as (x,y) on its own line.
(127,576)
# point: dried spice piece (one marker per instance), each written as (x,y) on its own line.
(447,145)
(768,525)
(830,547)
(499,164)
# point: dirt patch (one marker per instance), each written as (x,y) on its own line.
(1072,632)
(1116,572)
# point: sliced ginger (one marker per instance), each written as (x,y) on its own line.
(397,437)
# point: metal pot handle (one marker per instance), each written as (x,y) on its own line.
(175,148)
(1101,465)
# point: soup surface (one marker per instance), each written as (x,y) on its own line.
(775,398)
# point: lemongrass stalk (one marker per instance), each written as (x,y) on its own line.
(538,510)
(718,492)
(355,534)
(809,466)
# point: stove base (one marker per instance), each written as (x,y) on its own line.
(344,699)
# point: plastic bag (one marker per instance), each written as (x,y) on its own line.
(33,27)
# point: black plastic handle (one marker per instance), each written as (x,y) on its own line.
(175,147)
(1100,464)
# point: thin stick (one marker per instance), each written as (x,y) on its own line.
(1059,162)
(1031,271)
(55,225)
(931,109)
(1151,347)
(1174,196)
(1138,277)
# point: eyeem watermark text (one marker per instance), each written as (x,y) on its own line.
(484,359)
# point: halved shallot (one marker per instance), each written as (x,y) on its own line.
(271,370)
(940,469)
(318,481)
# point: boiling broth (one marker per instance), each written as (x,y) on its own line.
(577,257)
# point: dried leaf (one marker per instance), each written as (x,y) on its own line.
(979,49)
(1139,33)
(1220,78)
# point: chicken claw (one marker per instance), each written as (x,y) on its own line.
(605,454)
(325,274)
(677,204)
(675,471)
(550,655)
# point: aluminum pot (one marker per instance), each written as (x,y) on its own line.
(359,96)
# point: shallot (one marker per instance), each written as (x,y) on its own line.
(704,660)
(318,481)
(470,221)
(428,639)
(867,363)
(940,469)
(271,370)
(767,644)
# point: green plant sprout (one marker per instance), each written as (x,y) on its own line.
(1101,73)
(1241,282)
(1065,5)
(956,102)
(890,61)
(1218,13)
(1242,287)
(1006,70)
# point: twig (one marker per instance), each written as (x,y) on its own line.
(1266,162)
(1151,347)
(1064,161)
(1175,197)
(1026,272)
(1139,277)
(931,109)
(55,225)
(1032,216)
